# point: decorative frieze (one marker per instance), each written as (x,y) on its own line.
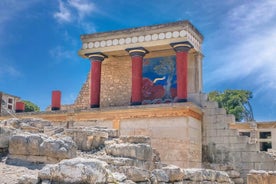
(144,38)
(149,36)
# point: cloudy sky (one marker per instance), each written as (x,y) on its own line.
(39,41)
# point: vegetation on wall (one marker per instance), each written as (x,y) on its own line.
(235,102)
(30,107)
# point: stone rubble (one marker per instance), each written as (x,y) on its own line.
(41,148)
(102,157)
(230,170)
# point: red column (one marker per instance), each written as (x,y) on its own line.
(56,100)
(19,107)
(95,78)
(137,55)
(182,49)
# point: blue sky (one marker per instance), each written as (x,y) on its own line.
(39,41)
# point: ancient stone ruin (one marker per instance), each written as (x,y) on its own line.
(140,117)
(90,155)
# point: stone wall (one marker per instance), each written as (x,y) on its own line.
(225,146)
(83,99)
(116,83)
(178,139)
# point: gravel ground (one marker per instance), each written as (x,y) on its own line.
(9,174)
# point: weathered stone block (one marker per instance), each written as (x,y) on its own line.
(136,151)
(159,175)
(87,139)
(77,170)
(34,147)
(135,174)
(5,134)
(174,173)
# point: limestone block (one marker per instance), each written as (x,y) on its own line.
(77,170)
(61,148)
(174,173)
(135,174)
(136,151)
(34,147)
(5,134)
(18,145)
(198,175)
(116,177)
(159,175)
(222,176)
(87,139)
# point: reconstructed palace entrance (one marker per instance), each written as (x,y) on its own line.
(140,81)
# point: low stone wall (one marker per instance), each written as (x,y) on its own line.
(261,177)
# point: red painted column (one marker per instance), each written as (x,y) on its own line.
(182,49)
(137,55)
(56,100)
(95,78)
(19,107)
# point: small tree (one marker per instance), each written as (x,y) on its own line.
(235,102)
(30,107)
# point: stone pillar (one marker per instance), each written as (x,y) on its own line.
(56,100)
(137,55)
(95,78)
(198,73)
(182,49)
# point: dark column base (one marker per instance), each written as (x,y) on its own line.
(182,100)
(136,103)
(55,108)
(17,111)
(95,106)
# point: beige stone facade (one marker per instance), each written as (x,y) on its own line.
(8,103)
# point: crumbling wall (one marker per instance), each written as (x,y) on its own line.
(224,146)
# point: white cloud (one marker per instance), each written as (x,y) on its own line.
(74,10)
(251,16)
(83,8)
(64,14)
(251,56)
